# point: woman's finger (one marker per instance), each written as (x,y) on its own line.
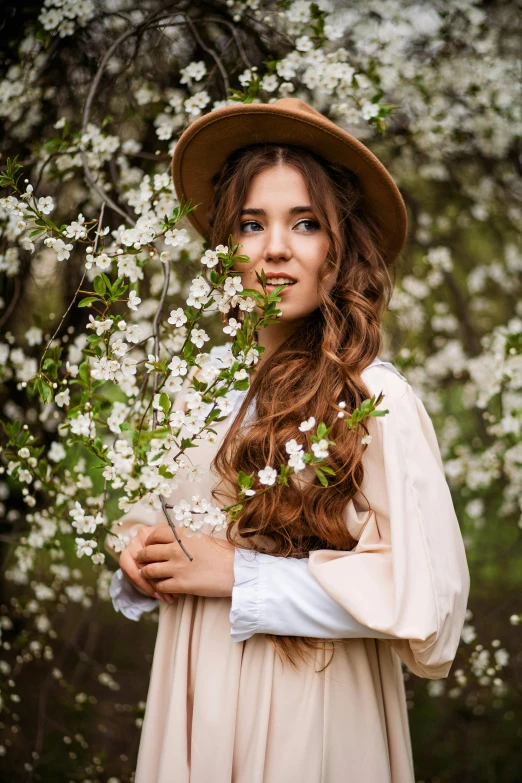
(167,587)
(161,534)
(132,572)
(162,570)
(154,553)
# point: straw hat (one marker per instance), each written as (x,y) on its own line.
(206,144)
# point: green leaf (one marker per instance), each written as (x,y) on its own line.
(322,478)
(87,302)
(46,391)
(99,285)
(322,430)
(106,281)
(84,371)
(244,481)
(165,403)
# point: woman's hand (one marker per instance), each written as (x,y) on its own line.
(128,562)
(210,574)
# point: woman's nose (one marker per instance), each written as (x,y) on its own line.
(276,247)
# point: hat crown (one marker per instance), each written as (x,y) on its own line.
(296,105)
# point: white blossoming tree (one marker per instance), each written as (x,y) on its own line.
(109,303)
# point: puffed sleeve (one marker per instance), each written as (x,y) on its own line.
(408,575)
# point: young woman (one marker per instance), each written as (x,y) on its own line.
(279,649)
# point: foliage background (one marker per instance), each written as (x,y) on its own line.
(434,90)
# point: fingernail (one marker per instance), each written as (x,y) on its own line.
(158,596)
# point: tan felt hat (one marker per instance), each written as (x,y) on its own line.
(206,144)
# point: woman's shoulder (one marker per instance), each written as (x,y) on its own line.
(383,376)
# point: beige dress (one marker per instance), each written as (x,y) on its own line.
(220,711)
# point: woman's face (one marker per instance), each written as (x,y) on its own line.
(280,233)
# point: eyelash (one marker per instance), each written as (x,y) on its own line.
(305,220)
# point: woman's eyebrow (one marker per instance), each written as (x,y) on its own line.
(293,211)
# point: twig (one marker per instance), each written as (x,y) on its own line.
(156,333)
(86,114)
(236,35)
(73,300)
(212,53)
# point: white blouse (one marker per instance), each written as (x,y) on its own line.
(271,595)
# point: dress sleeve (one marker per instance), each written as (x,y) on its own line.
(127,600)
(279,595)
(408,575)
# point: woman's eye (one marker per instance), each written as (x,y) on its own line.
(250,226)
(308,225)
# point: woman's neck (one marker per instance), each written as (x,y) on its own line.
(272,337)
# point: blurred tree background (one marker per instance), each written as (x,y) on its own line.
(93,95)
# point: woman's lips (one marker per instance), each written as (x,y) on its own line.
(283,291)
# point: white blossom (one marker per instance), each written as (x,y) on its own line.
(134,300)
(177,317)
(307,425)
(267,476)
(199,337)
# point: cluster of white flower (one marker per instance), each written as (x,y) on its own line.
(194,70)
(199,516)
(62,16)
(296,454)
(85,523)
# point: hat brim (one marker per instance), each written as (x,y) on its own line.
(207,143)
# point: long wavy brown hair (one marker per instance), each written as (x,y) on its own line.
(317,367)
